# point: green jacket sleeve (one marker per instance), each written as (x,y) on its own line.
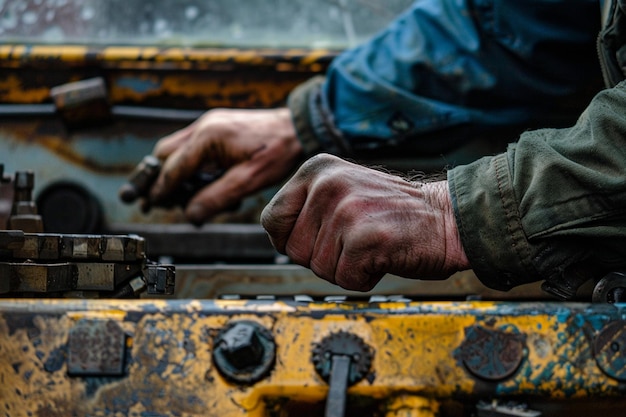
(553,204)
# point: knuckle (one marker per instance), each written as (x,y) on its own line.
(316,164)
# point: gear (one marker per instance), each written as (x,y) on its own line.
(345,344)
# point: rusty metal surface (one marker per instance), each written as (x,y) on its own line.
(181,78)
(141,84)
(250,281)
(96,347)
(418,358)
(53,265)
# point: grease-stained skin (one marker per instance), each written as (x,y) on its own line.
(418,357)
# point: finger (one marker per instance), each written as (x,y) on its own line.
(326,251)
(356,276)
(304,236)
(167,145)
(280,215)
(222,194)
(179,166)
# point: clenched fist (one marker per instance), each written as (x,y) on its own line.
(351,225)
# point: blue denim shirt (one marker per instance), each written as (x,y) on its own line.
(461,67)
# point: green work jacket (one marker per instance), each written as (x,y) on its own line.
(553,206)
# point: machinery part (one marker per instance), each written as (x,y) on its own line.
(610,289)
(491,354)
(509,409)
(140,179)
(24,214)
(342,359)
(48,279)
(6,198)
(244,352)
(47,246)
(96,347)
(11,239)
(69,208)
(240,244)
(147,171)
(169,363)
(407,405)
(82,103)
(160,279)
(609,349)
(37,278)
(33,263)
(54,264)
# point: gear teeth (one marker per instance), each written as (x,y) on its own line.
(342,343)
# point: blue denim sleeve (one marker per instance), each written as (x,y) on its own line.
(459,67)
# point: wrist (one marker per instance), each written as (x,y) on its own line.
(439,198)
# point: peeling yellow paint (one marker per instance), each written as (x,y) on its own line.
(416,361)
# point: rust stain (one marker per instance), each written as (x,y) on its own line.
(72,55)
(13,90)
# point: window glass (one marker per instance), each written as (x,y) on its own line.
(196,23)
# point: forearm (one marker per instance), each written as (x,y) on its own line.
(449,66)
(553,204)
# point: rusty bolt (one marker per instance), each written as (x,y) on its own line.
(610,349)
(242,346)
(244,352)
(492,354)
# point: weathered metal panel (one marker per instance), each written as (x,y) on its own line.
(557,357)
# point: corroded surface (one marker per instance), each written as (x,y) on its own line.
(168,367)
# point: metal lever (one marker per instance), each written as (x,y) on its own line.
(147,171)
(338,386)
(342,359)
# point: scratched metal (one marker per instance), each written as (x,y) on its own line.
(492,354)
(169,371)
(96,347)
(610,349)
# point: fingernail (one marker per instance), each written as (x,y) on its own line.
(195,213)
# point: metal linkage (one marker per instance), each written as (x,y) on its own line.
(79,265)
(33,263)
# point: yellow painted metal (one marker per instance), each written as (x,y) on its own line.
(416,356)
(205,77)
(406,405)
(15,55)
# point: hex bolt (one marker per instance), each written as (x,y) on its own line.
(242,347)
(244,352)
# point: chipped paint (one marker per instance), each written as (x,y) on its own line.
(169,366)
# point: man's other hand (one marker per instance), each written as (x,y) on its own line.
(257,148)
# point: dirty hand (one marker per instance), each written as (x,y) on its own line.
(351,225)
(257,147)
